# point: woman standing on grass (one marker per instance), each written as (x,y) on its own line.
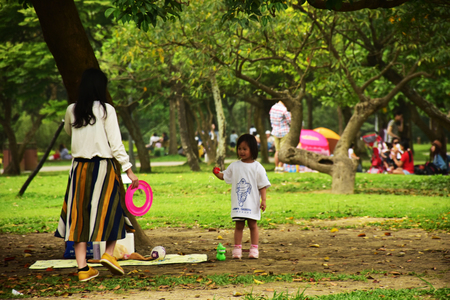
(92,211)
(249,183)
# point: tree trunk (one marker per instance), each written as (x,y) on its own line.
(172,127)
(340,120)
(42,161)
(17,151)
(13,167)
(229,107)
(204,126)
(343,174)
(184,134)
(190,120)
(249,116)
(133,128)
(67,41)
(258,119)
(221,150)
(309,104)
(415,117)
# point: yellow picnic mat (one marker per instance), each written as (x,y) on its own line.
(169,259)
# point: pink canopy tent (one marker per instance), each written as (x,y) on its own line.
(314,141)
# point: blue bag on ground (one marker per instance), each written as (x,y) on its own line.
(70,251)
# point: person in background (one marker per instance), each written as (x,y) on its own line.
(405,166)
(233,138)
(395,127)
(352,155)
(257,138)
(280,119)
(165,142)
(55,156)
(438,156)
(270,141)
(64,153)
(95,214)
(396,149)
(153,140)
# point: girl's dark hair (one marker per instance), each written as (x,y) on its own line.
(405,145)
(92,88)
(437,150)
(251,142)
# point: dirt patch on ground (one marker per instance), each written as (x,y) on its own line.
(286,249)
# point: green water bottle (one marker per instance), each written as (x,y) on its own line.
(221,252)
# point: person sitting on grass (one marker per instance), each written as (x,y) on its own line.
(64,153)
(405,166)
(248,197)
(438,156)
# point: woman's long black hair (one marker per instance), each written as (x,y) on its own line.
(92,88)
(405,145)
(437,150)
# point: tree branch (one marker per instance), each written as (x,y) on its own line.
(358,5)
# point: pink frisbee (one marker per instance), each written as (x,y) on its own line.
(133,209)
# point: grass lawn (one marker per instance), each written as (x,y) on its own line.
(186,199)
(183,198)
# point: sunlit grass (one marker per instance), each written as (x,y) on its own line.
(185,198)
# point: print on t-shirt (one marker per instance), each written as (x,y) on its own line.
(243,189)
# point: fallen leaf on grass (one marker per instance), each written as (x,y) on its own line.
(315,245)
(361,234)
(333,284)
(117,287)
(387,234)
(270,290)
(258,281)
(236,294)
(334,230)
(395,273)
(258,271)
(220,237)
(435,237)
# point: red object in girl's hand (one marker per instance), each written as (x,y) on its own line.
(216,170)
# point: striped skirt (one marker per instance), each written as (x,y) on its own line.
(92,211)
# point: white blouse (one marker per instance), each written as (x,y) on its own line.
(103,139)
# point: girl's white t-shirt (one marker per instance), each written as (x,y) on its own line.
(246,180)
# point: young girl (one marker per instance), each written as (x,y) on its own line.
(249,182)
(92,210)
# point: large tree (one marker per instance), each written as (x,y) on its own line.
(73,54)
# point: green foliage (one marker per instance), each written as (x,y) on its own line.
(144,13)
